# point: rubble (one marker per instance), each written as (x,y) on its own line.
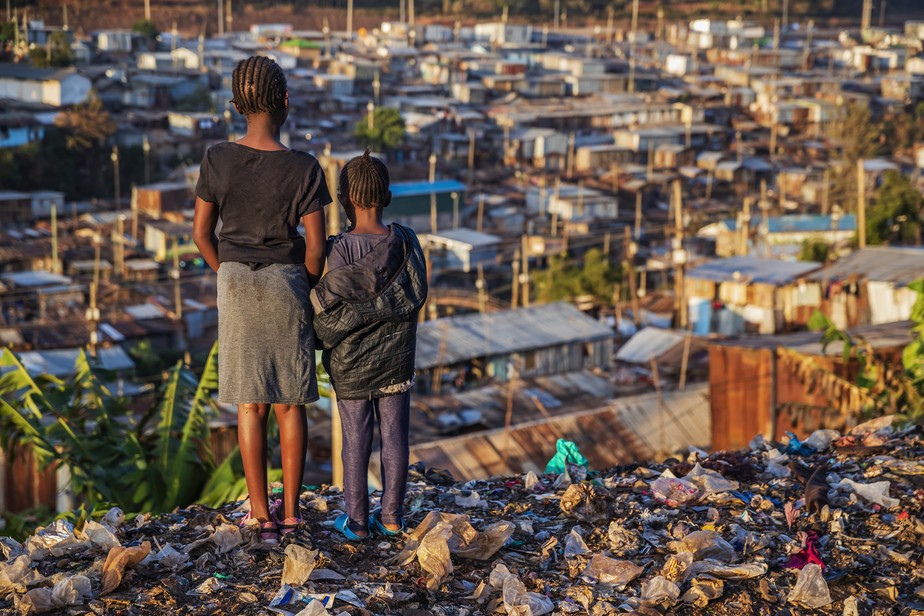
(742,540)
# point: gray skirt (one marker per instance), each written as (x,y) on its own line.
(265,335)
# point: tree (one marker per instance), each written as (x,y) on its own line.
(895,214)
(596,277)
(814,250)
(859,139)
(55,54)
(146,28)
(155,463)
(387,129)
(87,125)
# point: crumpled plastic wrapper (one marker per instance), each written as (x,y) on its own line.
(876,493)
(227,537)
(299,564)
(70,591)
(464,541)
(810,590)
(585,502)
(659,591)
(611,571)
(100,535)
(706,544)
(673,491)
(117,561)
(518,602)
(17,575)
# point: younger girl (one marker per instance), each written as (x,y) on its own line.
(261,191)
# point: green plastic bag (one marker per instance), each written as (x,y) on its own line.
(566,453)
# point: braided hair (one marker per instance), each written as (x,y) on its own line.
(364,180)
(258,86)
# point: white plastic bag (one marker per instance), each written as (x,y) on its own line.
(611,571)
(877,492)
(810,590)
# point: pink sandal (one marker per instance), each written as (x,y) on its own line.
(289,525)
(269,531)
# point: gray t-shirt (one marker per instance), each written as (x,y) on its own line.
(347,248)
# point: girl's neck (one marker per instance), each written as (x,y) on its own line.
(262,134)
(369,222)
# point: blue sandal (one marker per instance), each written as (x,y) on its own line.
(375,524)
(342,524)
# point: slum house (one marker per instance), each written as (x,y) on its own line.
(755,385)
(157,200)
(53,87)
(18,128)
(461,249)
(783,234)
(163,238)
(868,286)
(39,295)
(745,294)
(412,203)
(534,341)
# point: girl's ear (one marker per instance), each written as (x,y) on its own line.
(236,108)
(287,99)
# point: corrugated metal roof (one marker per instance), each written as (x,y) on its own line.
(463,235)
(37,278)
(800,223)
(415,189)
(753,269)
(499,333)
(879,337)
(900,266)
(627,430)
(60,362)
(647,343)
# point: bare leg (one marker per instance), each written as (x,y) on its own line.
(293,436)
(251,436)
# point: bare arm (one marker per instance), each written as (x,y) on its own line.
(315,225)
(204,223)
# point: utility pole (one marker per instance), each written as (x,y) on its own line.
(401,11)
(866,16)
(370,117)
(524,270)
(221,18)
(556,19)
(609,25)
(632,46)
(785,13)
(806,51)
(861,204)
(146,148)
(471,157)
(115,174)
(175,274)
(119,246)
(54,239)
(230,18)
(455,209)
(349,24)
(826,192)
(628,250)
(480,285)
(571,155)
(93,310)
(679,255)
(480,223)
(515,287)
(638,215)
(147,9)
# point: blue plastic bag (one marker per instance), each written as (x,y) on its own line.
(566,453)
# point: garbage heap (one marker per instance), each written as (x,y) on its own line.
(832,524)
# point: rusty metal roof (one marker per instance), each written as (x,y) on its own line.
(623,431)
(898,265)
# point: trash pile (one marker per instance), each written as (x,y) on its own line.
(832,523)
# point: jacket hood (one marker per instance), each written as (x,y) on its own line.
(366,280)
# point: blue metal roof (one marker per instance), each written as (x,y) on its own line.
(416,189)
(800,223)
(753,269)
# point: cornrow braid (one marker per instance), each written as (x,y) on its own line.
(258,86)
(365,181)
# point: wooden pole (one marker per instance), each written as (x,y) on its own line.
(480,223)
(684,362)
(515,288)
(638,215)
(861,204)
(571,155)
(508,418)
(336,442)
(480,285)
(471,156)
(177,290)
(94,291)
(630,272)
(55,266)
(524,252)
(681,261)
(433,221)
(656,378)
(632,46)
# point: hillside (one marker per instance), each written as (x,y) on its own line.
(733,536)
